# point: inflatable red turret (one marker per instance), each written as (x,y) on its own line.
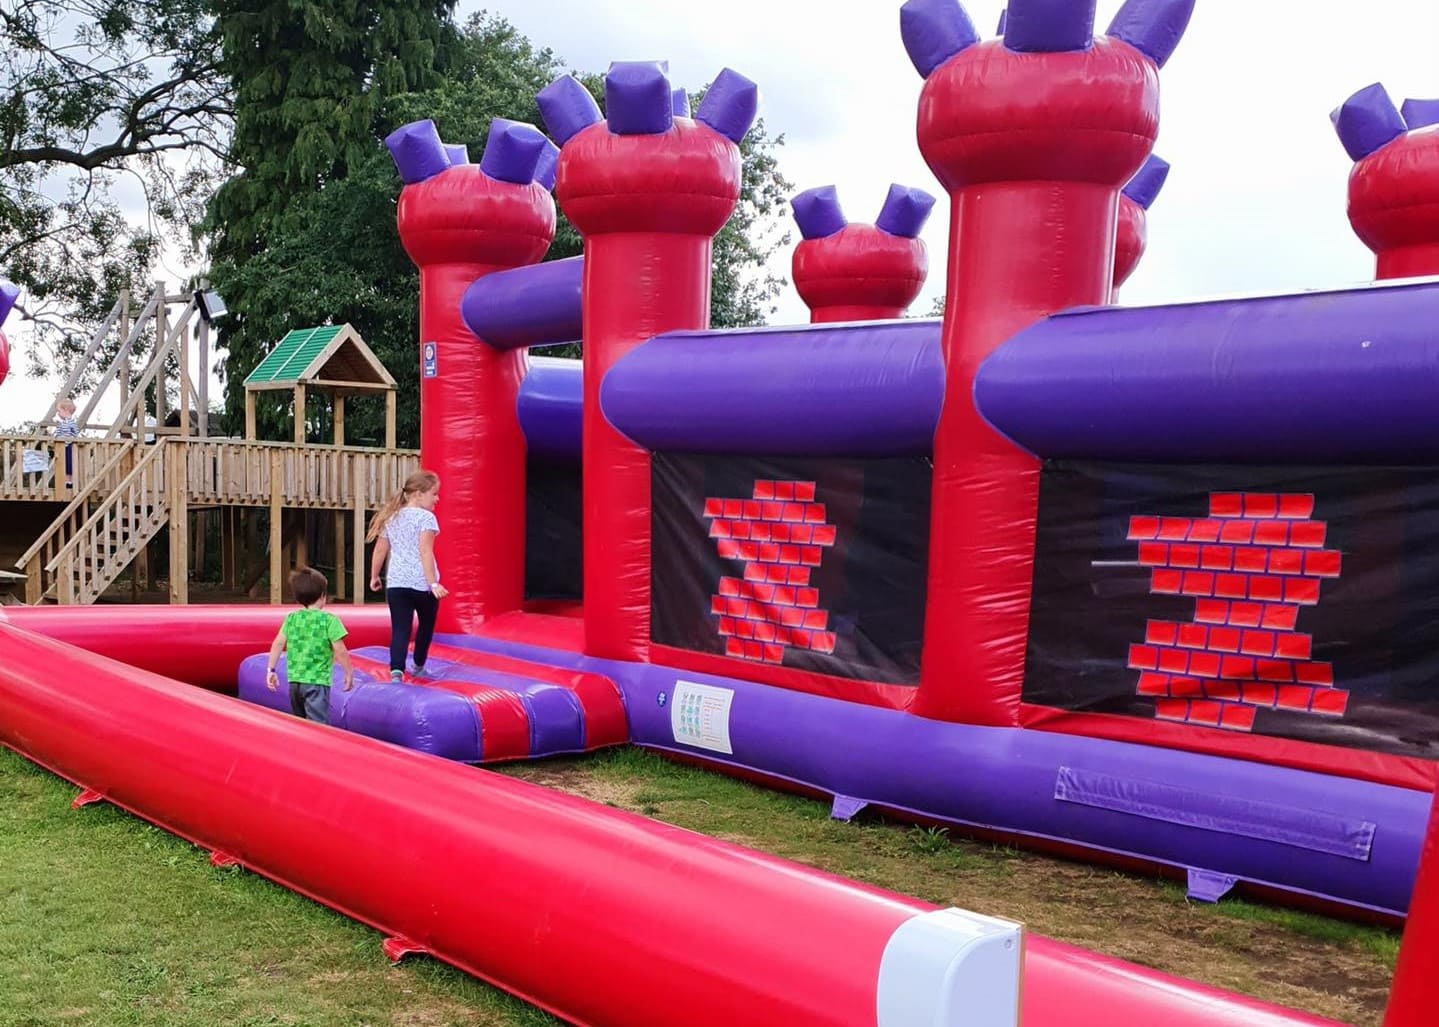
(1394,187)
(460,222)
(1033,135)
(8,294)
(847,272)
(648,188)
(1133,232)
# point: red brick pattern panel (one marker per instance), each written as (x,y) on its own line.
(780,535)
(1249,566)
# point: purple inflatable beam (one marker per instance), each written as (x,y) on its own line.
(538,305)
(905,212)
(9,293)
(818,213)
(1144,187)
(417,151)
(551,408)
(858,390)
(934,31)
(731,105)
(1196,383)
(1367,120)
(458,153)
(1153,27)
(1420,113)
(638,98)
(1049,26)
(513,151)
(567,108)
(680,103)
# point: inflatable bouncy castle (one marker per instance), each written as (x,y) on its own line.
(1149,586)
(9,293)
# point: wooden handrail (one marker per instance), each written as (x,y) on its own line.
(104,481)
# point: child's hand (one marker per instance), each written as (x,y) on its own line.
(272,680)
(439,591)
(376,585)
(349,680)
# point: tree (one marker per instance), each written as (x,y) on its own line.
(99,98)
(310,82)
(335,253)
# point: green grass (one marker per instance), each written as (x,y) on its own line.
(106,920)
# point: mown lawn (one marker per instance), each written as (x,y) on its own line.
(105,920)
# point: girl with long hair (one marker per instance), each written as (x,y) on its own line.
(404,532)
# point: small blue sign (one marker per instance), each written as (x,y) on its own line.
(431,360)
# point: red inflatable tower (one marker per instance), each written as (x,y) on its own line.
(1394,187)
(1033,135)
(8,294)
(460,222)
(648,189)
(846,272)
(1133,233)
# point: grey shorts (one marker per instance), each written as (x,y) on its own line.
(310,701)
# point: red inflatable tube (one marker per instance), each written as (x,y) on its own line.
(457,227)
(1034,149)
(1129,241)
(4,358)
(1414,996)
(200,645)
(599,916)
(648,207)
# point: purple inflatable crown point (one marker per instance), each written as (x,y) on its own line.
(1003,21)
(680,103)
(417,151)
(513,151)
(548,167)
(818,213)
(567,107)
(934,31)
(9,293)
(730,106)
(1049,26)
(1367,120)
(1153,27)
(905,212)
(1147,181)
(1420,113)
(458,153)
(638,99)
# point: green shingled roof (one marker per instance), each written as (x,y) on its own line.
(293,355)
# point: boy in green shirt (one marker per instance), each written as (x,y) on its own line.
(313,638)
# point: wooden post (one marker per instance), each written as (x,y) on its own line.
(125,363)
(277,540)
(204,354)
(390,419)
(177,487)
(339,535)
(300,398)
(183,345)
(339,417)
(358,516)
(162,330)
(250,416)
(302,540)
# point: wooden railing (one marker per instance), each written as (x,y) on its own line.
(40,475)
(92,490)
(230,473)
(135,510)
(126,503)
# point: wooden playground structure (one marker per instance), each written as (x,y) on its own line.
(155,475)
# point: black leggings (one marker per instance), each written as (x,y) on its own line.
(404,604)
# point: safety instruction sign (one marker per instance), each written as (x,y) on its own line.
(431,360)
(699,716)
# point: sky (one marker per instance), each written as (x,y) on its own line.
(1255,202)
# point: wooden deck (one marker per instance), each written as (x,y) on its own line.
(120,494)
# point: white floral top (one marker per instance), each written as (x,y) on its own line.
(402,531)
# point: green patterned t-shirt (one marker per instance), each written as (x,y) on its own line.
(310,637)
